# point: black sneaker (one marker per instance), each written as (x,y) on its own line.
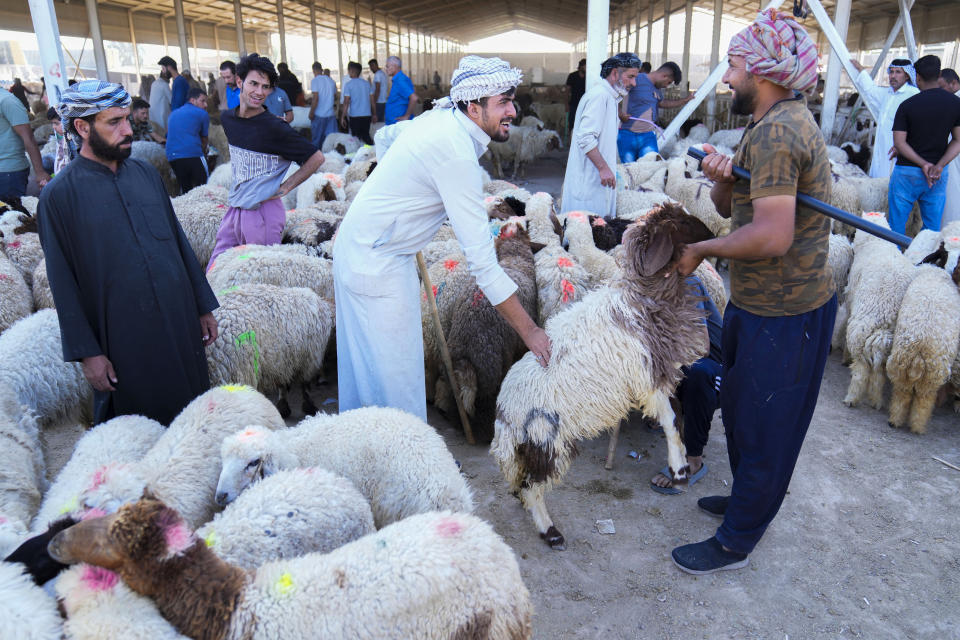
(715,506)
(706,557)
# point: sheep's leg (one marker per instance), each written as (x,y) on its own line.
(899,405)
(661,410)
(532,497)
(920,411)
(497,169)
(875,386)
(859,373)
(283,406)
(309,409)
(612,447)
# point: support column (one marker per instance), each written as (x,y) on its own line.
(666,30)
(238,21)
(649,31)
(181,34)
(281,27)
(216,41)
(386,28)
(714,61)
(356,29)
(99,53)
(133,41)
(373,28)
(45,26)
(598,21)
(163,31)
(636,46)
(339,43)
(313,28)
(196,53)
(841,20)
(908,31)
(687,26)
(400,42)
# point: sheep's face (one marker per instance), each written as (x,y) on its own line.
(244,460)
(655,243)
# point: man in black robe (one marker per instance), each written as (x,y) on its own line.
(134,306)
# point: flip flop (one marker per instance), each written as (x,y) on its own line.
(672,491)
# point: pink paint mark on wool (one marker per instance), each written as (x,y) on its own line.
(953,239)
(477,298)
(568,290)
(450,265)
(14,245)
(448,528)
(577,215)
(564,262)
(176,533)
(250,434)
(3,520)
(599,222)
(91,514)
(100,477)
(489,199)
(211,406)
(221,206)
(99,579)
(3,277)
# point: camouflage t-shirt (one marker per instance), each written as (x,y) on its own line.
(141,130)
(785,154)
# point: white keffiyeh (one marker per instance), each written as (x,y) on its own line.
(477,78)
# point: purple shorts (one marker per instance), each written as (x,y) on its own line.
(250,226)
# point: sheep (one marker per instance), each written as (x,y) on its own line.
(16,299)
(482,345)
(872,193)
(333,162)
(270,338)
(257,264)
(436,251)
(217,138)
(924,346)
(27,611)
(22,471)
(844,195)
(397,461)
(200,213)
(40,291)
(533,144)
(879,277)
(840,257)
(221,176)
(922,245)
(288,514)
(553,116)
(154,155)
(694,194)
(449,276)
(713,283)
(342,143)
(121,440)
(634,174)
(50,387)
(494,187)
(320,187)
(643,327)
(312,231)
(578,237)
(25,252)
(359,170)
(466,583)
(634,204)
(729,138)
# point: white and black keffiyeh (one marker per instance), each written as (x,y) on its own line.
(89,97)
(477,78)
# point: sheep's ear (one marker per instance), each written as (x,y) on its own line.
(536,246)
(269,466)
(148,495)
(557,227)
(656,254)
(938,257)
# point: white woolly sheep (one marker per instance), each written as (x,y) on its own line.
(289,514)
(333,162)
(342,143)
(633,204)
(643,327)
(840,258)
(42,381)
(466,583)
(121,440)
(729,138)
(257,264)
(27,611)
(22,471)
(41,293)
(436,251)
(553,116)
(578,238)
(155,155)
(320,187)
(200,213)
(25,252)
(925,344)
(397,461)
(217,138)
(922,245)
(635,174)
(222,176)
(694,195)
(359,169)
(270,338)
(16,299)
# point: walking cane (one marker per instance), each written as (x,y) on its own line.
(826,209)
(444,351)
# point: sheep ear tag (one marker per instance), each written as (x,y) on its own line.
(656,254)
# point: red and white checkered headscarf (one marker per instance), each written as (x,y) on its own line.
(777,48)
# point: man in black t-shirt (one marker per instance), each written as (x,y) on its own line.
(577,81)
(922,131)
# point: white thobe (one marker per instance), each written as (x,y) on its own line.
(160,98)
(431,173)
(595,127)
(951,208)
(884,102)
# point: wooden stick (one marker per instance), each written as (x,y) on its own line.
(942,461)
(444,351)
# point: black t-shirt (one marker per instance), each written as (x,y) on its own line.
(928,118)
(578,87)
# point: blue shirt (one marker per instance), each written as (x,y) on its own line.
(642,102)
(399,97)
(179,90)
(233,97)
(185,127)
(359,91)
(278,103)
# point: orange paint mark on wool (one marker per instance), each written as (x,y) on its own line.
(434,288)
(564,262)
(599,222)
(448,528)
(577,215)
(98,579)
(450,265)
(568,290)
(250,433)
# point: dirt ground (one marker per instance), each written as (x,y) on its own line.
(865,544)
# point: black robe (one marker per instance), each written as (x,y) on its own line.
(126,285)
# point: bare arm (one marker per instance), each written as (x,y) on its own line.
(308,169)
(204,144)
(669,104)
(26,134)
(411,103)
(952,150)
(288,116)
(157,137)
(719,168)
(345,109)
(622,112)
(533,336)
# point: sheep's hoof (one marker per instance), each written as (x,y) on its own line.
(283,407)
(309,409)
(680,477)
(554,538)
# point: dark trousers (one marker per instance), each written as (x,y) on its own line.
(381,111)
(360,128)
(771,379)
(190,173)
(699,397)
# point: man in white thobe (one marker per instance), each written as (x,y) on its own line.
(949,81)
(160,97)
(590,183)
(884,102)
(430,173)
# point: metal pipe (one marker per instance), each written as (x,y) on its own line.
(45,26)
(339,44)
(182,35)
(313,28)
(598,20)
(666,30)
(649,30)
(99,53)
(687,26)
(133,41)
(281,27)
(826,209)
(238,20)
(908,30)
(828,113)
(356,29)
(714,61)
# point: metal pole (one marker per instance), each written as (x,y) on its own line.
(216,41)
(598,19)
(649,31)
(163,30)
(828,113)
(313,28)
(908,30)
(196,52)
(666,30)
(687,26)
(281,27)
(133,41)
(339,43)
(238,20)
(182,35)
(45,26)
(356,29)
(714,61)
(386,28)
(636,46)
(99,54)
(373,28)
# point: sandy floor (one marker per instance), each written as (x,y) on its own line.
(865,545)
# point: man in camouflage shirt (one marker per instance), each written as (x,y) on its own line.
(140,122)
(777,327)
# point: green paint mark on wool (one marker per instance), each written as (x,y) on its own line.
(229,289)
(284,584)
(245,256)
(210,539)
(250,337)
(72,505)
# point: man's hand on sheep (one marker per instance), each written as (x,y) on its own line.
(538,342)
(98,371)
(689,260)
(208,329)
(532,335)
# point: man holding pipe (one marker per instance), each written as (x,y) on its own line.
(778,324)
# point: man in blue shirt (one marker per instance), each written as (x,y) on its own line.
(358,105)
(402,99)
(231,91)
(323,121)
(278,103)
(180,86)
(187,131)
(638,113)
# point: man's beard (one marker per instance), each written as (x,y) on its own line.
(164,75)
(744,101)
(103,150)
(621,90)
(495,134)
